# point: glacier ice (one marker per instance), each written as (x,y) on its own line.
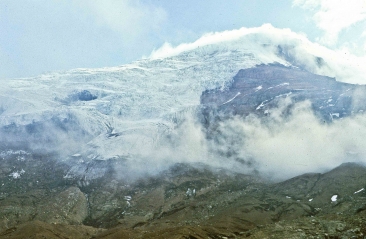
(137,101)
(127,112)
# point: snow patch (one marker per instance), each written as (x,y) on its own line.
(334,198)
(20,153)
(17,174)
(261,105)
(286,95)
(359,190)
(191,192)
(258,88)
(232,98)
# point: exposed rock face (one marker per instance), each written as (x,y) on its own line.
(69,206)
(257,90)
(85,95)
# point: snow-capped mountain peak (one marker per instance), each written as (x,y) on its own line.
(127,111)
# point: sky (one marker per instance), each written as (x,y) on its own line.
(38,36)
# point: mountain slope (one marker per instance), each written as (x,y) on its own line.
(187,144)
(143,96)
(151,104)
(260,89)
(194,202)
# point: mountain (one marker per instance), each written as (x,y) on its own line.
(108,113)
(209,141)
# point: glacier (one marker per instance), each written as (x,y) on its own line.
(137,100)
(134,109)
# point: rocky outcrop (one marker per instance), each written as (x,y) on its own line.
(69,206)
(258,90)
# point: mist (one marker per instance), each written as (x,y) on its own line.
(290,141)
(288,144)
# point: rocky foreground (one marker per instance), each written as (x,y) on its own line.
(186,201)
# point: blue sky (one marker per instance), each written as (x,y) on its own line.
(38,36)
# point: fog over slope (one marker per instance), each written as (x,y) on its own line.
(147,113)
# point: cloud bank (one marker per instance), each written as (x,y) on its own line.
(334,16)
(264,41)
(283,145)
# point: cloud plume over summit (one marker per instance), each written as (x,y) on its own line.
(265,41)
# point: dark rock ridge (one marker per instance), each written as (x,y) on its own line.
(45,135)
(258,90)
(84,95)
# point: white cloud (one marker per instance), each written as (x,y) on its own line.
(235,39)
(128,17)
(263,43)
(299,142)
(333,16)
(363,37)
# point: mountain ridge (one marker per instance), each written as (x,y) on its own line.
(204,143)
